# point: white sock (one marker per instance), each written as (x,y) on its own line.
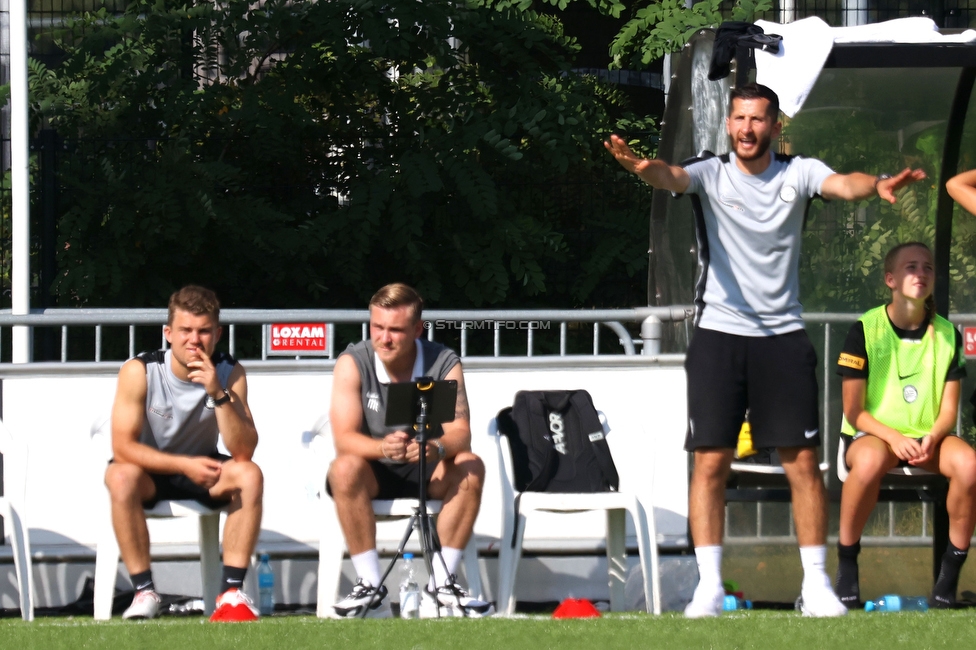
(814,561)
(367,566)
(442,575)
(709,567)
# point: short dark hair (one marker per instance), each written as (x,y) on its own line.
(398,295)
(195,300)
(756,91)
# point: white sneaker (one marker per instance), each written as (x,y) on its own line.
(821,603)
(705,603)
(145,604)
(364,601)
(450,601)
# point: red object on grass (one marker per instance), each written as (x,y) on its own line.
(576,608)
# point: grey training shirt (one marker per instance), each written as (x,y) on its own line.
(177,420)
(749,230)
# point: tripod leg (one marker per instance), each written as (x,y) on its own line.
(411,524)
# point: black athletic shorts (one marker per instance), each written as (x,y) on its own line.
(397,481)
(773,377)
(178,487)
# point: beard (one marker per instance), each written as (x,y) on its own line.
(762,146)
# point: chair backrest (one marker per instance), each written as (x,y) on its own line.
(321,453)
(504,452)
(14,452)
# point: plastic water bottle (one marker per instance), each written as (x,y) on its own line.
(894,603)
(732,603)
(409,589)
(265,586)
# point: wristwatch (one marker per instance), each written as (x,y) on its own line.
(441,450)
(212,403)
(879,178)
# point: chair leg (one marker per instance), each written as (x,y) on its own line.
(472,571)
(106,571)
(650,566)
(210,567)
(508,559)
(331,550)
(617,557)
(20,545)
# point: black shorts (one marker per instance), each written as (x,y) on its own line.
(397,480)
(773,377)
(178,487)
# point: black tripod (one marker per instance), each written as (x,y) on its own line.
(426,403)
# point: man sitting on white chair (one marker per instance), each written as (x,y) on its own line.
(169,408)
(373,461)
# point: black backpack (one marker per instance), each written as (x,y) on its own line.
(557,443)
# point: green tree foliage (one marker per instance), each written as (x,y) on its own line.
(303,153)
(662,26)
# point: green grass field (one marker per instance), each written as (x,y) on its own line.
(757,629)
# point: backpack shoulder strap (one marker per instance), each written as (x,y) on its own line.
(593,430)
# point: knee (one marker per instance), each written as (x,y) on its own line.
(347,475)
(470,472)
(122,481)
(246,476)
(868,467)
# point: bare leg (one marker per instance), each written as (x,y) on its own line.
(458,483)
(808,494)
(869,458)
(129,486)
(243,482)
(956,460)
(706,501)
(354,486)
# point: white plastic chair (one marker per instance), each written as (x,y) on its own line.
(12,510)
(616,505)
(107,553)
(332,545)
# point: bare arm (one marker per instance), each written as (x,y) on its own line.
(654,172)
(962,188)
(857,186)
(128,416)
(944,424)
(234,420)
(853,391)
(346,418)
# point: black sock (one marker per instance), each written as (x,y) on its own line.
(233,578)
(847,587)
(143,581)
(944,592)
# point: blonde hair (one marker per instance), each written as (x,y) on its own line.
(398,295)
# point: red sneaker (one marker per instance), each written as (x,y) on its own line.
(233,606)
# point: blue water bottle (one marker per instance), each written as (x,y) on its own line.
(265,586)
(731,603)
(895,603)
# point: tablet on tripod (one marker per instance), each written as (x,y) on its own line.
(403,404)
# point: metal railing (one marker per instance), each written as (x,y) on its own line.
(464,322)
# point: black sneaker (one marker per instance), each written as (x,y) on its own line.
(364,601)
(451,600)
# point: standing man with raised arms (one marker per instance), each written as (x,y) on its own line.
(170,407)
(749,350)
